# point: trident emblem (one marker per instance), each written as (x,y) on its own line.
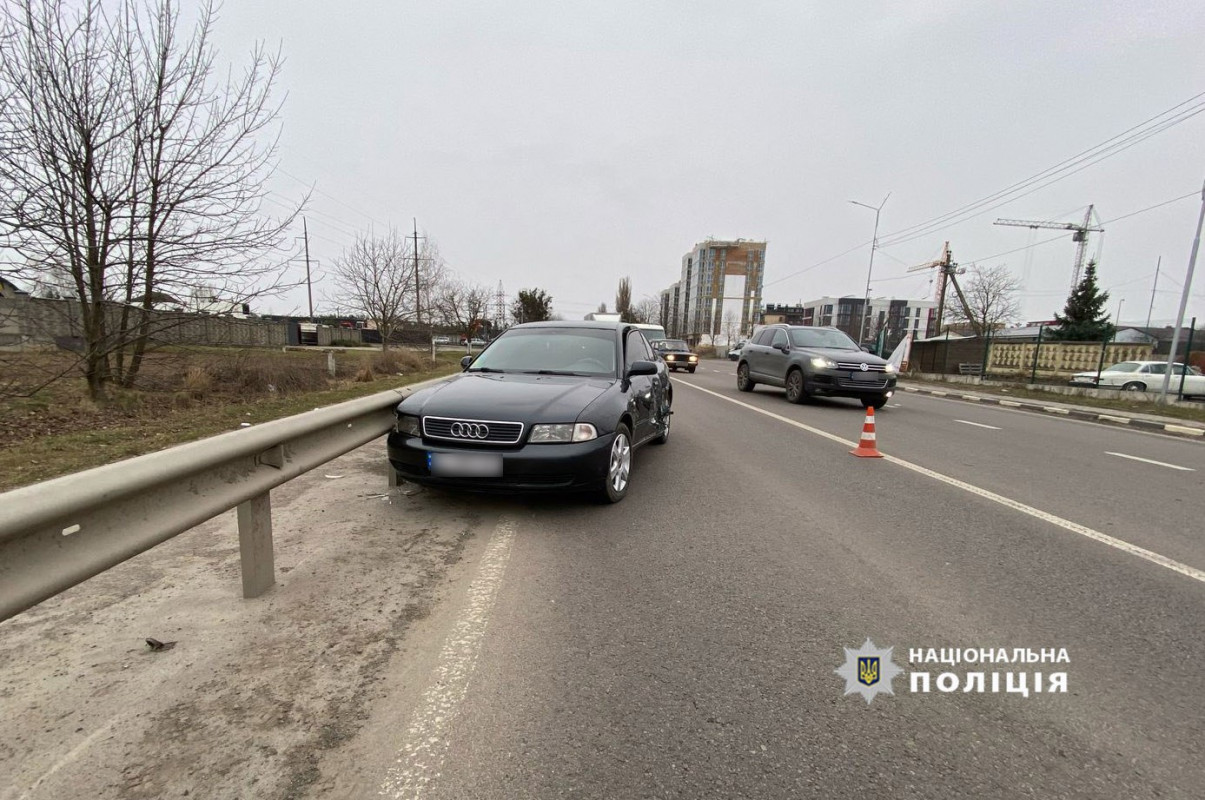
(868,670)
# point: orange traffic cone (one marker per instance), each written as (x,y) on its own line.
(866,445)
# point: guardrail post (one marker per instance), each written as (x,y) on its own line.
(255,545)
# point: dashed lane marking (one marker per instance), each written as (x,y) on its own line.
(1065,524)
(1150,461)
(977,424)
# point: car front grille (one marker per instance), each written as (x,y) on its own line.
(846,383)
(472,431)
(856,366)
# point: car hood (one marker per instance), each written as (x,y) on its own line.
(508,397)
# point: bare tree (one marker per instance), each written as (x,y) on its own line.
(126,170)
(623,300)
(463,306)
(375,277)
(732,326)
(991,294)
(648,310)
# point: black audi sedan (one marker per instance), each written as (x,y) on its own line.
(548,406)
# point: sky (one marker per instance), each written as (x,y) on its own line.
(566,145)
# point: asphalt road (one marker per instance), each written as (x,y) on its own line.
(684,642)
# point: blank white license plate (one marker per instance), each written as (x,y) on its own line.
(465,465)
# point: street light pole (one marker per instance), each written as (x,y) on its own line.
(874,245)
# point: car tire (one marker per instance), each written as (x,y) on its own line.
(743,382)
(1134,386)
(619,467)
(796,391)
(874,402)
(691,370)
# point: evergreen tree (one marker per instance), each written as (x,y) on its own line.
(532,305)
(1084,318)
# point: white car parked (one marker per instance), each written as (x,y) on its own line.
(1142,376)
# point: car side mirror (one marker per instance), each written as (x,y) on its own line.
(786,348)
(464,362)
(642,368)
(865,348)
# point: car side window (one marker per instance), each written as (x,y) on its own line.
(764,337)
(780,338)
(637,349)
(1158,369)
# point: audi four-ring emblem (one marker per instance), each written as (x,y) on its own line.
(470,430)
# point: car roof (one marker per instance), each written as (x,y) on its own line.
(576,323)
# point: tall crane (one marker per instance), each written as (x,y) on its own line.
(1079,236)
(949,272)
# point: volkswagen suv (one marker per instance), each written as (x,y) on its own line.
(814,362)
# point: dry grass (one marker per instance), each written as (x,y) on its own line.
(196,393)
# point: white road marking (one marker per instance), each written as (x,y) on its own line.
(421,756)
(977,424)
(895,405)
(1065,524)
(1149,461)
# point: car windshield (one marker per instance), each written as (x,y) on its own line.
(672,344)
(831,340)
(569,351)
(1125,366)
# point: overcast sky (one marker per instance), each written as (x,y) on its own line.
(566,145)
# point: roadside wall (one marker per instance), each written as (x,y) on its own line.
(1055,359)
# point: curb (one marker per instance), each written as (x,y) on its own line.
(1101,418)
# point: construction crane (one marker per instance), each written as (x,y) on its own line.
(949,272)
(1079,236)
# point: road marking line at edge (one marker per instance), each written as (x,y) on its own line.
(420,758)
(1066,524)
(1150,461)
(977,424)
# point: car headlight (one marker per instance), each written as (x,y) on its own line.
(671,357)
(889,369)
(407,424)
(820,362)
(694,358)
(563,432)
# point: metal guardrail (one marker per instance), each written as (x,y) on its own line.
(56,534)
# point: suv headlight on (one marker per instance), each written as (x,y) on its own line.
(407,424)
(564,432)
(889,369)
(820,362)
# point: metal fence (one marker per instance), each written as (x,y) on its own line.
(59,533)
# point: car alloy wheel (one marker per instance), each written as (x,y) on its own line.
(619,468)
(743,383)
(1134,386)
(795,393)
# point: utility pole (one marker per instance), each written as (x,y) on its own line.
(1154,286)
(1192,263)
(874,245)
(309,289)
(418,283)
(501,300)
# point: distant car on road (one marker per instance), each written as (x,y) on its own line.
(814,361)
(441,340)
(549,406)
(1142,376)
(676,354)
(734,353)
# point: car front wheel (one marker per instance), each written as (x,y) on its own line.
(795,391)
(619,468)
(874,402)
(743,382)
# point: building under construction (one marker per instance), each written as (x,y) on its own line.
(716,275)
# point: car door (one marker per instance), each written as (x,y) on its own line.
(643,390)
(755,353)
(774,360)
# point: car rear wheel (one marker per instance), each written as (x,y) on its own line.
(1134,386)
(795,391)
(619,468)
(743,382)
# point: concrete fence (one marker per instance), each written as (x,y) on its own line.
(1054,359)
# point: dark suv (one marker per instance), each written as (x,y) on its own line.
(812,361)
